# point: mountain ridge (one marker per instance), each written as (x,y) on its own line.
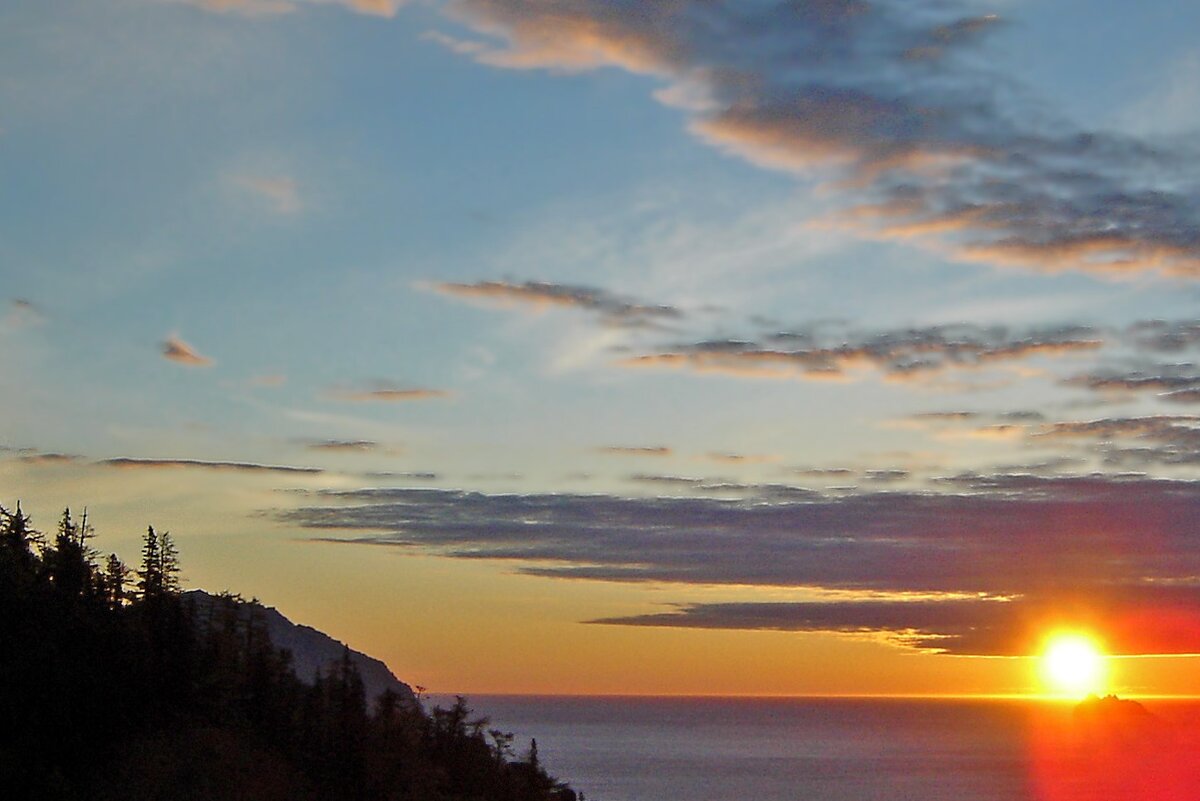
(313,651)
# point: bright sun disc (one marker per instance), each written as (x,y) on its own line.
(1073,665)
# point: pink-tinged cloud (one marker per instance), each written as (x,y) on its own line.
(257,8)
(179,351)
(892,100)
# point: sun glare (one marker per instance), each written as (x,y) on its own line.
(1073,665)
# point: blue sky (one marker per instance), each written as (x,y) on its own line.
(829,258)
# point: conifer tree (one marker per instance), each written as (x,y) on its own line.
(150,581)
(69,563)
(168,566)
(116,574)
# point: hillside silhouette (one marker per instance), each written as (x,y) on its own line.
(116,685)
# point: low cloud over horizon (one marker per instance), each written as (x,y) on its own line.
(988,560)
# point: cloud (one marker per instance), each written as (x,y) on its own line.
(1156,378)
(127,463)
(1164,336)
(943,417)
(620,450)
(280,193)
(177,350)
(1145,620)
(386,392)
(824,472)
(343,446)
(1182,396)
(538,295)
(409,475)
(885,476)
(678,481)
(1133,441)
(463,47)
(740,458)
(1116,552)
(890,95)
(48,458)
(903,354)
(255,8)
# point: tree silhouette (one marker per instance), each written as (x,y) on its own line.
(110,695)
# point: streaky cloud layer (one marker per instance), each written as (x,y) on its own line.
(1016,551)
(929,145)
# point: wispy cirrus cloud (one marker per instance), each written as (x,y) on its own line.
(975,568)
(540,295)
(177,350)
(931,145)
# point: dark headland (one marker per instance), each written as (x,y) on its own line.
(114,684)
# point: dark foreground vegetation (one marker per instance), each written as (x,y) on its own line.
(114,686)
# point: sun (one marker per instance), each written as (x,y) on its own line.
(1073,665)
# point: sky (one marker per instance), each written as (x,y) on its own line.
(675,347)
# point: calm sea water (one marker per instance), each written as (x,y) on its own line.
(685,749)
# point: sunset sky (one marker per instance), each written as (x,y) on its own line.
(687,346)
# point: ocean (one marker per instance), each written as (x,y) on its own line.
(739,749)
